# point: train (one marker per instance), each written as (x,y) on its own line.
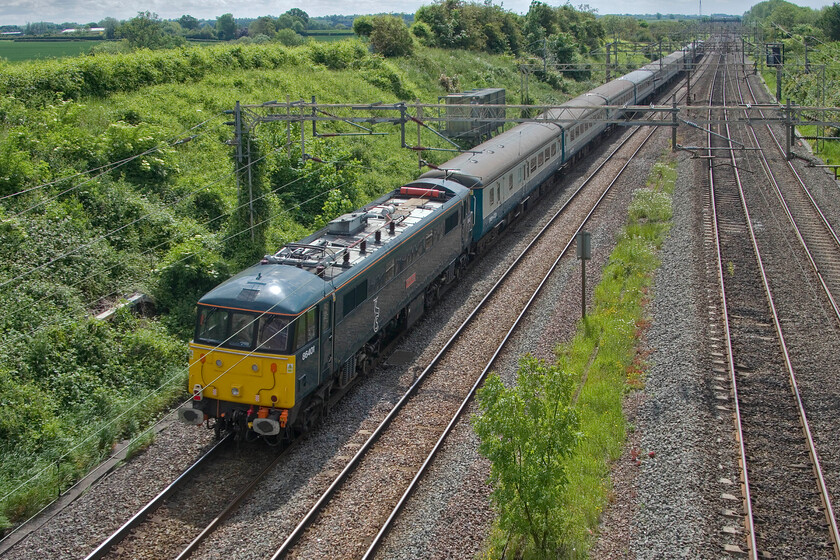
(276,343)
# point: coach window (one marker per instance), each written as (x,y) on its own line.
(547,153)
(499,192)
(540,159)
(553,149)
(533,164)
(510,182)
(273,334)
(389,272)
(492,196)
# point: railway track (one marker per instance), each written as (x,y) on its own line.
(813,230)
(787,509)
(170,522)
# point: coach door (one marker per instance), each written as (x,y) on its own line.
(326,339)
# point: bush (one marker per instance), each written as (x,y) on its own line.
(390,37)
(16,168)
(190,270)
(289,38)
(154,166)
(528,432)
(423,33)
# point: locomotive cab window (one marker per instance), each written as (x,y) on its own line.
(230,329)
(242,328)
(273,334)
(212,325)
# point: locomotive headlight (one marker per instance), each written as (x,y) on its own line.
(255,368)
(234,391)
(218,363)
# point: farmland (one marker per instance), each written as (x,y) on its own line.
(17,51)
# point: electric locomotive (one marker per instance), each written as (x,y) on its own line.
(277,341)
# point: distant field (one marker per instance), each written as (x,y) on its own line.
(29,50)
(330,35)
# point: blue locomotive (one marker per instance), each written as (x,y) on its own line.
(277,342)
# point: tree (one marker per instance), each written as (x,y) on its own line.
(226,27)
(299,14)
(148,31)
(264,25)
(390,36)
(829,21)
(110,24)
(363,26)
(188,22)
(528,432)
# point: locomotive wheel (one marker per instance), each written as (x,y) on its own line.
(312,416)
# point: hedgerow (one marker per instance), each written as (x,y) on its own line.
(102,75)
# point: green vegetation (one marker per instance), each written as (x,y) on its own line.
(605,363)
(17,51)
(797,29)
(528,432)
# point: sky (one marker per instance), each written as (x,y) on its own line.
(18,12)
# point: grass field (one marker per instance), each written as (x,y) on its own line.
(18,51)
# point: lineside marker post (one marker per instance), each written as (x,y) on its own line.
(584,253)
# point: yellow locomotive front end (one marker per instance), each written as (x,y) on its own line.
(240,371)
